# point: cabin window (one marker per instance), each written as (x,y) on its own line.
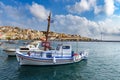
(58,47)
(49,55)
(66,47)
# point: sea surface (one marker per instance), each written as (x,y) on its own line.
(103,64)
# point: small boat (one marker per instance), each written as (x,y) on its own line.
(63,54)
(33,46)
(11,41)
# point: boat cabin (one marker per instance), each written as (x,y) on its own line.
(62,50)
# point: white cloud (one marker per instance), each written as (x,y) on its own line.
(76,25)
(110,27)
(10,15)
(83,5)
(98,9)
(71,24)
(87,5)
(20,16)
(109,7)
(39,11)
(11,12)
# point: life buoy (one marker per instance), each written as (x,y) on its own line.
(76,57)
(46,44)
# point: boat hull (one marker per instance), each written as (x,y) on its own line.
(26,60)
(11,52)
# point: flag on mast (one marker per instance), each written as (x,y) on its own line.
(51,21)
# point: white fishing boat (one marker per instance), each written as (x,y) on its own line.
(33,46)
(63,54)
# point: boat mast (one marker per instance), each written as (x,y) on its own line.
(48,28)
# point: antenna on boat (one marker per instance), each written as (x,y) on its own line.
(77,45)
(48,29)
(101,36)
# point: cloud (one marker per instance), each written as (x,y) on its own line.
(39,11)
(10,12)
(82,6)
(20,16)
(98,9)
(76,25)
(109,7)
(110,26)
(80,25)
(91,5)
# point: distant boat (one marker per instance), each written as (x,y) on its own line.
(33,46)
(63,54)
(11,41)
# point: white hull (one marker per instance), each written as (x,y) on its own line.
(11,52)
(26,60)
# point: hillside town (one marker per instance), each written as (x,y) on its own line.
(16,33)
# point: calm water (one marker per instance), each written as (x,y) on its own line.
(102,64)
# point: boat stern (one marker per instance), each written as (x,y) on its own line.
(84,54)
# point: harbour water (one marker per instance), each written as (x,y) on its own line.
(102,64)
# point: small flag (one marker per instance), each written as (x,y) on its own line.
(52,21)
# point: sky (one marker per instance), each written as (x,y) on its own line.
(88,18)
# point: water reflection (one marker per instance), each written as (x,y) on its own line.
(3,56)
(8,68)
(64,72)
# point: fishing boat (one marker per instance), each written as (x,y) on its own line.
(62,54)
(33,46)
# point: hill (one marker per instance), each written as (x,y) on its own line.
(16,33)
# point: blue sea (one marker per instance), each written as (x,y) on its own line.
(102,64)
